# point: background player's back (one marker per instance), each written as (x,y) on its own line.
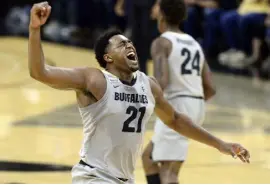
(186,62)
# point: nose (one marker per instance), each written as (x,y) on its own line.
(130,46)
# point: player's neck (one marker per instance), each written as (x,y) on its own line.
(173,29)
(123,76)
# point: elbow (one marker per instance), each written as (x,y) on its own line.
(34,75)
(37,75)
(163,85)
(163,82)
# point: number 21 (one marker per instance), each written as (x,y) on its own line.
(134,112)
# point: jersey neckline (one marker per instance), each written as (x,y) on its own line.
(131,84)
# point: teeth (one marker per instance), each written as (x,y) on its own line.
(131,54)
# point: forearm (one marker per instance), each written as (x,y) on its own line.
(36,62)
(160,78)
(120,2)
(183,125)
(209,93)
(161,71)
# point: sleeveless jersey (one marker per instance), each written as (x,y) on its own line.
(186,62)
(114,126)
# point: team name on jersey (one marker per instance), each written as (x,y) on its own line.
(131,98)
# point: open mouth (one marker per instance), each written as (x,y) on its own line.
(131,55)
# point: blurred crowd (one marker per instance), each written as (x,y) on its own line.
(235,34)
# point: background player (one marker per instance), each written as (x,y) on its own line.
(183,74)
(114,105)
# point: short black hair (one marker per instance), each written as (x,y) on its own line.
(102,43)
(175,11)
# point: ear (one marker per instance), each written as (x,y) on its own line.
(107,58)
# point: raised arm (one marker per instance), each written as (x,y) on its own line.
(208,3)
(160,51)
(183,125)
(119,8)
(60,78)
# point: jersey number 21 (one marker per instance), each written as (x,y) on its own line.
(133,112)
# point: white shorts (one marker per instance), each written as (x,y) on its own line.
(168,144)
(82,174)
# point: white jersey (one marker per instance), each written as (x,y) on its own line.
(114,126)
(185,66)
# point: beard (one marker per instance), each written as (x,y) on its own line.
(134,69)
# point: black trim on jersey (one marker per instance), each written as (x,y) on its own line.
(133,81)
(187,96)
(85,164)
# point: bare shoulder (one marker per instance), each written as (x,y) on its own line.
(155,87)
(94,73)
(96,82)
(152,80)
(161,43)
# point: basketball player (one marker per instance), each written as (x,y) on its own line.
(115,104)
(183,74)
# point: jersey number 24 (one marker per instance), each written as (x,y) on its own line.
(194,60)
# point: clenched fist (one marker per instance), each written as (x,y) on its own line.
(39,14)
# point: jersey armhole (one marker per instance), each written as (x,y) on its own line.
(171,42)
(102,100)
(151,94)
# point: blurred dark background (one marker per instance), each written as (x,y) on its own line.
(234,34)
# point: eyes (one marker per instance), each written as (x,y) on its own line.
(124,43)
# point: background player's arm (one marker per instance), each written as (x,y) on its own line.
(61,78)
(160,51)
(208,3)
(183,125)
(207,82)
(119,8)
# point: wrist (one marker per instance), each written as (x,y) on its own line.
(218,144)
(33,29)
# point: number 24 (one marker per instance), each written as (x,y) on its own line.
(195,62)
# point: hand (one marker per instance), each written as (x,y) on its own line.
(190,2)
(267,21)
(236,151)
(118,9)
(155,11)
(39,14)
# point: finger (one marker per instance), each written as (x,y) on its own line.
(239,153)
(245,154)
(43,11)
(233,153)
(242,158)
(49,10)
(45,3)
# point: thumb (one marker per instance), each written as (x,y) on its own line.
(233,154)
(235,150)
(49,10)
